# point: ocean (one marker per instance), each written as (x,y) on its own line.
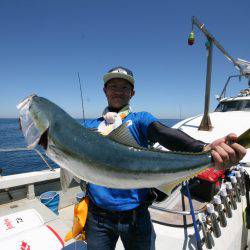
(16,162)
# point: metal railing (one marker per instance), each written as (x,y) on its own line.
(26,149)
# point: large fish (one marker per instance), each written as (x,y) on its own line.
(115,161)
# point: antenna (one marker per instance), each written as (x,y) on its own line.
(180,112)
(80,85)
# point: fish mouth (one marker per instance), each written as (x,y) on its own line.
(23,106)
(43,142)
(33,134)
(25,102)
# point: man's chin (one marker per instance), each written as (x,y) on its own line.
(117,105)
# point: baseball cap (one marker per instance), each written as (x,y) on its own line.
(119,72)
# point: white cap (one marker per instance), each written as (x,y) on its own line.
(237,174)
(217,199)
(119,72)
(229,185)
(233,179)
(223,192)
(242,170)
(202,217)
(210,208)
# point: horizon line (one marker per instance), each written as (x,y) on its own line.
(91,118)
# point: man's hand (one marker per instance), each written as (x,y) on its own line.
(226,152)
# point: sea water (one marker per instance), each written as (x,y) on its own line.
(15,162)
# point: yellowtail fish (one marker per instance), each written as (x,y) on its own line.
(116,161)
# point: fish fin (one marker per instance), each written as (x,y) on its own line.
(122,135)
(65,178)
(168,188)
(78,180)
(244,139)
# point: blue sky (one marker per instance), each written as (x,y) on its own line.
(45,43)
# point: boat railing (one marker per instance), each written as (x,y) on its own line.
(172,211)
(27,149)
(223,93)
(27,179)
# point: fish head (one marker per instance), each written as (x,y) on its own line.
(33,120)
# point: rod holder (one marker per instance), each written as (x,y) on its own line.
(224,200)
(214,220)
(230,192)
(208,239)
(219,210)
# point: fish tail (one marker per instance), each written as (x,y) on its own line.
(244,139)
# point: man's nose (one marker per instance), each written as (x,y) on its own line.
(118,90)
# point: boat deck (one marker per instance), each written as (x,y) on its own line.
(61,224)
(172,229)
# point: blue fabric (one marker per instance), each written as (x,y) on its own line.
(120,199)
(102,231)
(51,200)
(77,245)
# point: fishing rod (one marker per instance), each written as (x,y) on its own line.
(80,86)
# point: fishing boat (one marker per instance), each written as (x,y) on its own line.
(181,221)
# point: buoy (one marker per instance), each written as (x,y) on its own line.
(191,38)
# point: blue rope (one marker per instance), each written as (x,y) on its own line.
(197,235)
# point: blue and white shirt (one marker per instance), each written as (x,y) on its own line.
(122,199)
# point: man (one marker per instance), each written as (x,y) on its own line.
(124,213)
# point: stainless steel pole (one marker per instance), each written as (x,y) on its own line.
(206,122)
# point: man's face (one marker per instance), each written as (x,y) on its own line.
(118,92)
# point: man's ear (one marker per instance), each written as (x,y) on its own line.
(104,90)
(132,93)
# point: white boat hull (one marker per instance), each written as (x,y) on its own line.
(223,123)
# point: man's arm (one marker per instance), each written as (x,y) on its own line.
(225,151)
(173,139)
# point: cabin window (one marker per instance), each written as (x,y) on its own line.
(233,106)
